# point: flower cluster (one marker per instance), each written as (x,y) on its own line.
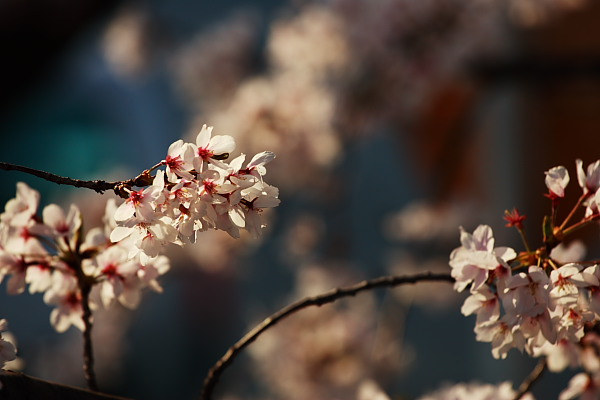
(8,352)
(196,192)
(50,255)
(536,301)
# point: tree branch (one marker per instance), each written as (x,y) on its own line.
(88,351)
(100,186)
(328,297)
(16,385)
(534,375)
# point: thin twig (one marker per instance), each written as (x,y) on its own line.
(88,351)
(99,186)
(328,297)
(534,375)
(85,288)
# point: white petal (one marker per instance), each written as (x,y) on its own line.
(203,137)
(580,174)
(237,217)
(222,144)
(53,216)
(175,148)
(236,163)
(125,211)
(120,233)
(261,159)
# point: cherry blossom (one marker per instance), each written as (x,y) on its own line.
(7,349)
(210,147)
(20,210)
(196,191)
(117,275)
(140,204)
(557,179)
(582,386)
(484,303)
(589,180)
(117,271)
(179,160)
(545,301)
(477,258)
(503,334)
(65,295)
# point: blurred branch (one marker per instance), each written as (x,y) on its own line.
(17,386)
(85,287)
(328,297)
(534,375)
(99,185)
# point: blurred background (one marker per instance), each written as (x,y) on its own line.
(394,123)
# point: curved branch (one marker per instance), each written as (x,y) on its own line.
(534,375)
(328,297)
(99,186)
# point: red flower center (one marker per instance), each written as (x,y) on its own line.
(205,154)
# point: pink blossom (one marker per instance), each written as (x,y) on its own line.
(477,258)
(21,209)
(141,203)
(209,147)
(559,356)
(117,275)
(8,352)
(65,295)
(179,161)
(484,303)
(590,181)
(557,179)
(503,334)
(582,386)
(525,291)
(39,276)
(566,281)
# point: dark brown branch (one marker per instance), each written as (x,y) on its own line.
(85,286)
(17,386)
(88,351)
(100,186)
(328,297)
(534,375)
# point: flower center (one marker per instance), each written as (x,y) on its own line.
(204,153)
(174,162)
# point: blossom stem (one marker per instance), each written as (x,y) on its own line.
(534,375)
(328,297)
(580,224)
(157,165)
(524,239)
(573,210)
(552,264)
